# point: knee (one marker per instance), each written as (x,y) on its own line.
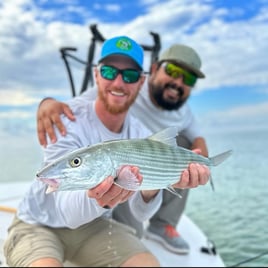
(46,262)
(142,260)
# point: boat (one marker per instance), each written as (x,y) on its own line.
(201,253)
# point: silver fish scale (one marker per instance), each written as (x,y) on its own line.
(160,164)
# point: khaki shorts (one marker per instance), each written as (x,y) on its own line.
(102,242)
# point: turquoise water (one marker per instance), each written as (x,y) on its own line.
(235,216)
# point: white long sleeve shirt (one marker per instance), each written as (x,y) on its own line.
(73,208)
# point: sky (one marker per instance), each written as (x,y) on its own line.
(231,38)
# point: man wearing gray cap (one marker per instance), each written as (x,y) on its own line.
(161,103)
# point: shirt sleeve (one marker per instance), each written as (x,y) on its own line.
(85,97)
(141,210)
(74,208)
(192,129)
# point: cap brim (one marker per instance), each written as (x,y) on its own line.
(121,54)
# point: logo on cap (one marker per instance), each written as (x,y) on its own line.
(124,44)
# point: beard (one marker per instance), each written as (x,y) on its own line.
(157,93)
(113,109)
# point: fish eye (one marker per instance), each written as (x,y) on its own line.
(76,162)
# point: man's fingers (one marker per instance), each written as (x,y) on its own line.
(56,119)
(127,196)
(48,114)
(68,112)
(194,175)
(41,134)
(204,172)
(107,194)
(197,151)
(48,127)
(184,180)
(99,191)
(119,196)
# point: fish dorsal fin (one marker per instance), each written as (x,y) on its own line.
(166,135)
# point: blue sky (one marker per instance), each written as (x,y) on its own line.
(230,36)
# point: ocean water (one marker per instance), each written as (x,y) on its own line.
(234,216)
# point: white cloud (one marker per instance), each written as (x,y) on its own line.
(247,111)
(112,8)
(16,114)
(233,52)
(252,116)
(14,98)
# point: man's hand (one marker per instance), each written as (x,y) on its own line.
(48,114)
(192,177)
(195,175)
(109,194)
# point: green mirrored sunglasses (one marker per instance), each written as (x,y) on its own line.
(175,71)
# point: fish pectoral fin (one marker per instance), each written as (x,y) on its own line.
(173,191)
(127,179)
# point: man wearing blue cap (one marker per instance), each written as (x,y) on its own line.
(77,225)
(162,102)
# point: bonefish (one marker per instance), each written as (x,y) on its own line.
(158,157)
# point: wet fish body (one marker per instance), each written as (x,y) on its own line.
(158,157)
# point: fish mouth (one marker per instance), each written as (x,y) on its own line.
(53,184)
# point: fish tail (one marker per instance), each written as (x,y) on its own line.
(217,159)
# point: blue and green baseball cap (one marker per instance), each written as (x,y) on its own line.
(123,45)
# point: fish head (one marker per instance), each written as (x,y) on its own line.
(80,169)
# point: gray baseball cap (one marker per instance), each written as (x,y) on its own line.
(184,56)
